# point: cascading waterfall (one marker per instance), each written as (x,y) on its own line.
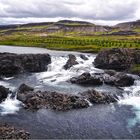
(132,98)
(57,74)
(11,105)
(54,75)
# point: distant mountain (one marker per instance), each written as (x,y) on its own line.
(129,25)
(74,22)
(60,26)
(66,27)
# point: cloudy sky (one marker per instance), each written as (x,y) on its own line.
(107,12)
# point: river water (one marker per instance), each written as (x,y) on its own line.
(119,120)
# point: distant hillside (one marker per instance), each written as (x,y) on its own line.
(65,26)
(69,27)
(72,35)
(74,22)
(129,25)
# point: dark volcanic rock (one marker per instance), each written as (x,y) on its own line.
(3,93)
(9,132)
(24,88)
(23,92)
(12,64)
(87,79)
(51,100)
(122,80)
(71,61)
(116,59)
(119,79)
(98,98)
(62,102)
(110,72)
(83,57)
(109,77)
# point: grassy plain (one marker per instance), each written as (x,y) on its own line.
(69,41)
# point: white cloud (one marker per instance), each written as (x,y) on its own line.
(99,11)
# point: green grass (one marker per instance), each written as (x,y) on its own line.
(136,67)
(137,30)
(70,41)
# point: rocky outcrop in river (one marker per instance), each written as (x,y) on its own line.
(12,64)
(71,61)
(9,132)
(87,79)
(51,100)
(3,93)
(110,78)
(120,59)
(116,59)
(58,101)
(98,98)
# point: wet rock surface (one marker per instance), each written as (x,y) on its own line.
(83,57)
(24,88)
(13,64)
(87,78)
(109,77)
(9,132)
(71,61)
(120,59)
(62,102)
(116,59)
(51,100)
(98,98)
(122,80)
(3,93)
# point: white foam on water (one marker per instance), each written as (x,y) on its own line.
(132,99)
(90,104)
(56,73)
(8,78)
(7,85)
(10,106)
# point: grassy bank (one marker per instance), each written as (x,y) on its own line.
(70,42)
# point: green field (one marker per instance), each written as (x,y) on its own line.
(70,41)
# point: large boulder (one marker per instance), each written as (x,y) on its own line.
(119,79)
(25,88)
(3,93)
(12,64)
(35,100)
(116,59)
(87,79)
(123,80)
(9,132)
(82,56)
(51,100)
(98,98)
(23,92)
(71,61)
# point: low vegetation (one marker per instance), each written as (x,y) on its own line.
(135,68)
(69,40)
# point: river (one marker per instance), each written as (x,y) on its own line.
(119,120)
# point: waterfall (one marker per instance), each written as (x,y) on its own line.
(56,73)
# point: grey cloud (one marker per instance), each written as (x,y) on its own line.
(106,10)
